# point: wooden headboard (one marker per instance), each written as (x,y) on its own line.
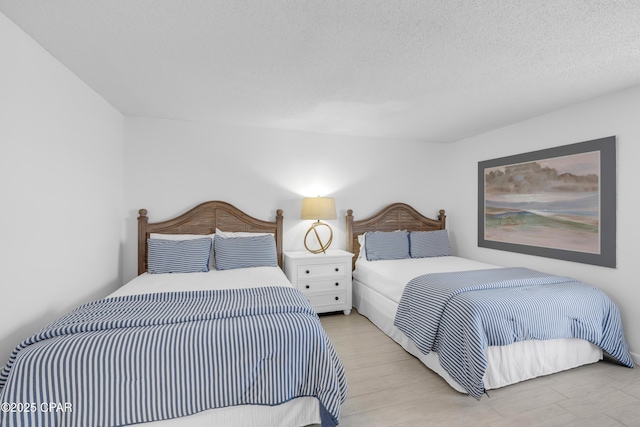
(397,216)
(204,219)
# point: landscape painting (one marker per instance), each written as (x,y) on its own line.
(558,202)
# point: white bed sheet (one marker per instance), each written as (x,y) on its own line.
(389,277)
(224,279)
(302,411)
(378,286)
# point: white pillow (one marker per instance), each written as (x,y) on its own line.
(228,234)
(179,236)
(363,250)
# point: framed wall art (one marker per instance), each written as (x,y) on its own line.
(557,203)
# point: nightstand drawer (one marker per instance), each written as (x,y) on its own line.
(321,270)
(307,286)
(328,299)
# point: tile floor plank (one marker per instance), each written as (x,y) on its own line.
(389,387)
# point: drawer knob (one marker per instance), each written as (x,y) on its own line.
(337,269)
(307,286)
(337,298)
(337,284)
(307,271)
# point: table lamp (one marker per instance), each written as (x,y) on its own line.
(318,208)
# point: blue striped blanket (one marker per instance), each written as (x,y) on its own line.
(135,359)
(459,314)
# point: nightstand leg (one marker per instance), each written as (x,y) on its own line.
(346,312)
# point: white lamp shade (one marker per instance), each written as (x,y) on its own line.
(318,208)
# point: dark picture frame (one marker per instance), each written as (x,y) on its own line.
(557,203)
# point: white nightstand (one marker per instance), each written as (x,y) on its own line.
(324,278)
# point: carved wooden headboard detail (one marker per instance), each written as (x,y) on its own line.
(397,216)
(204,219)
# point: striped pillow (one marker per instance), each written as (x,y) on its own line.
(386,245)
(178,256)
(243,252)
(425,244)
(184,237)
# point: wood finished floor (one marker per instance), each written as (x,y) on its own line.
(389,387)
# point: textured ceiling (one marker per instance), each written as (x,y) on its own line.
(429,70)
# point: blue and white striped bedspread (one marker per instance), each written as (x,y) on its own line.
(459,314)
(141,358)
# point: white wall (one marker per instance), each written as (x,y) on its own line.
(171,166)
(615,114)
(60,190)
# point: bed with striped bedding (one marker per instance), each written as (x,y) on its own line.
(141,358)
(459,314)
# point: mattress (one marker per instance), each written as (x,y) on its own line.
(378,287)
(389,277)
(297,412)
